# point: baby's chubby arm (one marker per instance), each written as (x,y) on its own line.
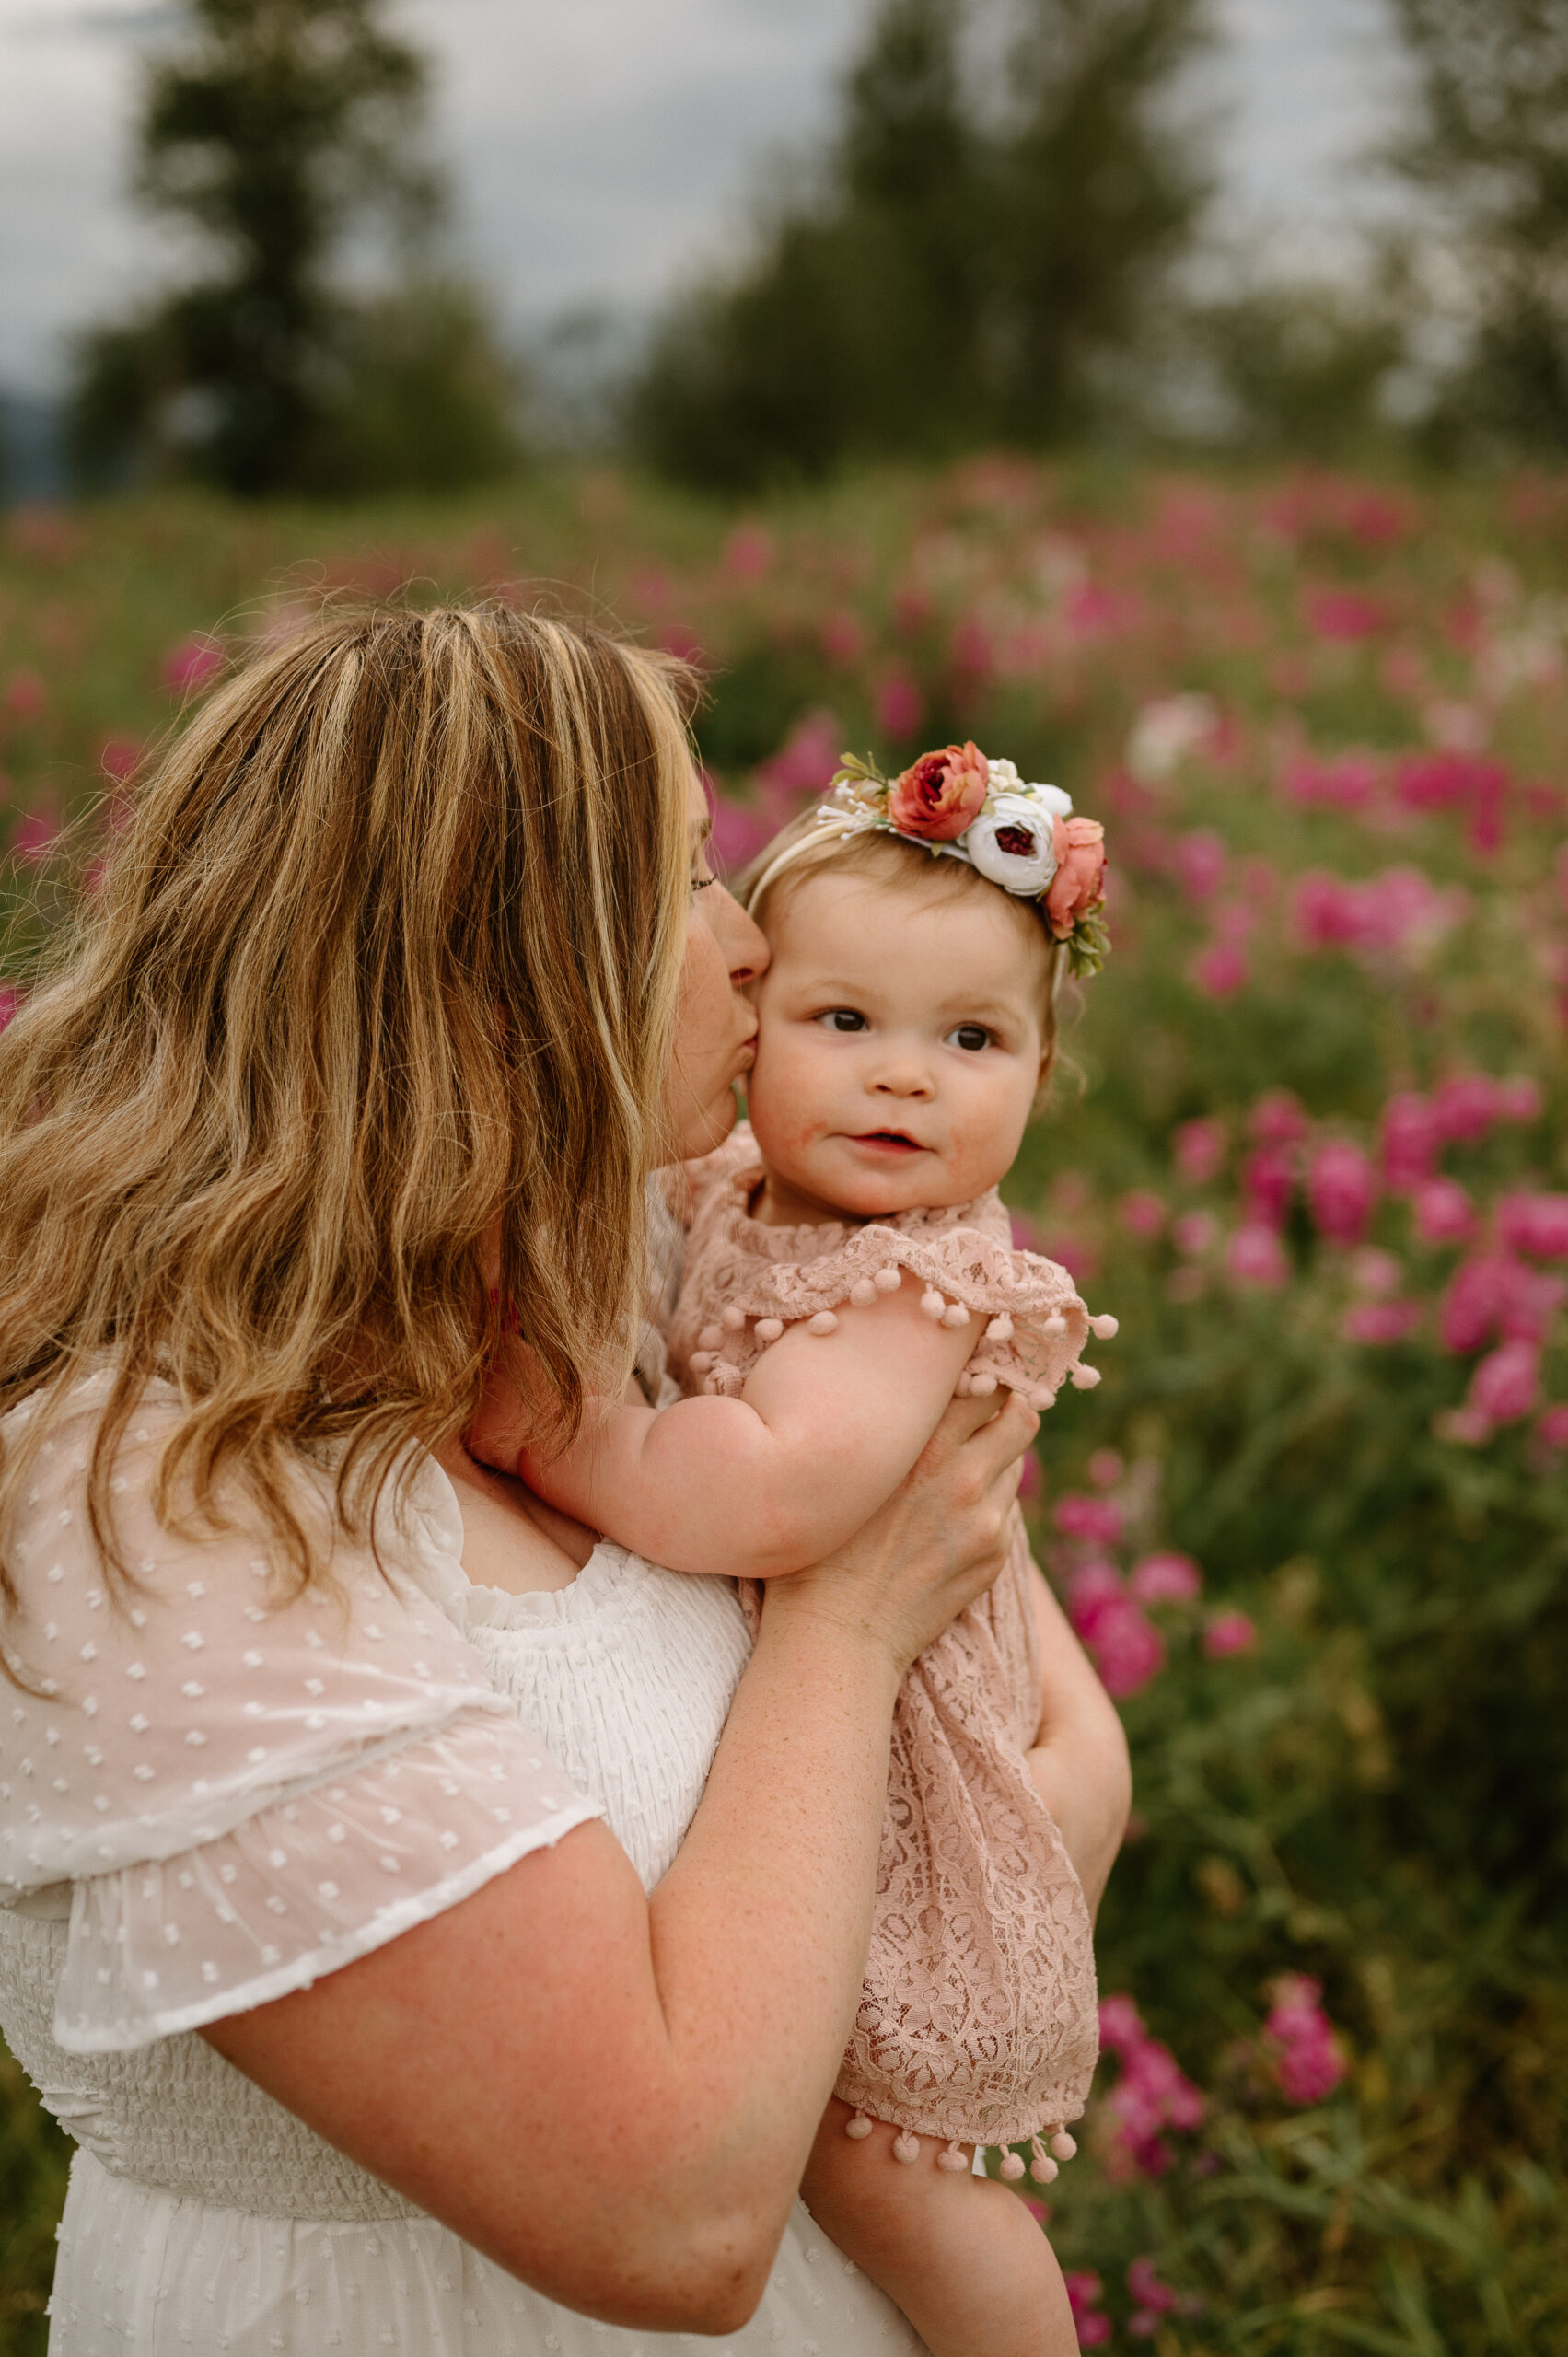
(824,1430)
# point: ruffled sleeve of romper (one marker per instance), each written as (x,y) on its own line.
(745,1283)
(245,1788)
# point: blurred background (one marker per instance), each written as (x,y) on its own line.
(1173,397)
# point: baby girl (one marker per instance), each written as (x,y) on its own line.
(849,1264)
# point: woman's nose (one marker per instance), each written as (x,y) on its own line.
(744,943)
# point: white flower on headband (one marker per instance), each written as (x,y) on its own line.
(1012,843)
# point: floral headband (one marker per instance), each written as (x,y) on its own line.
(962,805)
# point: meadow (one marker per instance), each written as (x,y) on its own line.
(1306,1142)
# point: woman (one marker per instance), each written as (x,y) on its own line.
(392,999)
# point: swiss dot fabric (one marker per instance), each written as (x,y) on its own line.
(202,2216)
(245,1790)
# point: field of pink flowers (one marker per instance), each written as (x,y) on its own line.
(1307,1145)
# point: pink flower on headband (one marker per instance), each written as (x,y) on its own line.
(939,797)
(1079,883)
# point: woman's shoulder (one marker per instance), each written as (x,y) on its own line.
(160,1703)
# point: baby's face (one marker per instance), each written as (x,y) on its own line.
(899,1047)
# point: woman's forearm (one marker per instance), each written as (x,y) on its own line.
(1080,1762)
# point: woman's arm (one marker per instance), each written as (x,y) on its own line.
(1079,1761)
(825,1427)
(614,2098)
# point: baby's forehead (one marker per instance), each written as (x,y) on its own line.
(920,933)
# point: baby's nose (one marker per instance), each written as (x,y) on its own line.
(905,1078)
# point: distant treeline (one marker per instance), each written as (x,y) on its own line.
(995,246)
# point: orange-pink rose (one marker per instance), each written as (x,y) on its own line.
(939,796)
(1079,882)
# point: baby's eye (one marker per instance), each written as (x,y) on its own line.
(972,1036)
(842,1018)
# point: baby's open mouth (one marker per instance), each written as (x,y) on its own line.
(896,1141)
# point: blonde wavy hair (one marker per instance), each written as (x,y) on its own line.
(386,959)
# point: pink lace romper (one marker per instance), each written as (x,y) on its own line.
(977,2019)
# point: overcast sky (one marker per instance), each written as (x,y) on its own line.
(600,148)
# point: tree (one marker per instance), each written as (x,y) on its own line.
(1490,146)
(275,127)
(1100,194)
(962,261)
(854,328)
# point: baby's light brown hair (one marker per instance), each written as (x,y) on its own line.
(895,861)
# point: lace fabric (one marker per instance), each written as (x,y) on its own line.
(978,2017)
(1037,1327)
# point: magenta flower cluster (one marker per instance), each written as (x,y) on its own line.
(1153,2097)
(1305,2059)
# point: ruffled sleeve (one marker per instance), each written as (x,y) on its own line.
(746,1283)
(245,1790)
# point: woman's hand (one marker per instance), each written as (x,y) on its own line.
(938,1542)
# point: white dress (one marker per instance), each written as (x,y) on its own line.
(223,1796)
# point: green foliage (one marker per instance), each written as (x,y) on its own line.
(968,260)
(1304,368)
(277,126)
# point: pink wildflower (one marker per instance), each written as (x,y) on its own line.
(1534,1224)
(118,757)
(1202,857)
(1552,1429)
(1518,1099)
(1089,2322)
(1466,1106)
(899,706)
(1277,1118)
(1096,1521)
(806,760)
(1255,1256)
(1344,615)
(1151,2096)
(1268,1182)
(1305,2059)
(1411,1140)
(25,697)
(1399,911)
(1338,781)
(1220,969)
(843,638)
(186,669)
(1342,1186)
(749,552)
(1376,1273)
(1444,1213)
(33,838)
(10,1000)
(738,834)
(1381,1322)
(1128,1649)
(1143,1214)
(1105,1468)
(1166,1578)
(1505,1385)
(1494,1293)
(1154,2299)
(1200,1150)
(1229,1634)
(1194,1232)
